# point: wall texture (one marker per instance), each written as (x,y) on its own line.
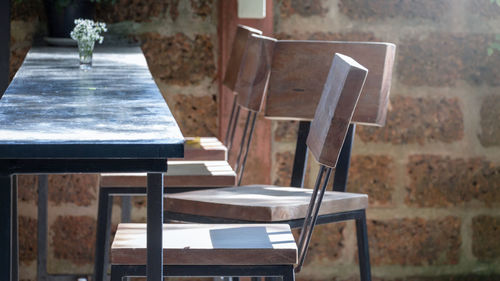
(432,173)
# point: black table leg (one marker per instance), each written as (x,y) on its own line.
(43,201)
(103,235)
(15,230)
(154,269)
(6,206)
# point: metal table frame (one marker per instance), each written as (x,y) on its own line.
(24,149)
(10,168)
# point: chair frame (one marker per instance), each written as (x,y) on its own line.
(339,184)
(284,271)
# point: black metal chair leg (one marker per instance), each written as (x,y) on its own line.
(363,251)
(126,216)
(103,234)
(126,209)
(342,170)
(42,228)
(116,274)
(289,275)
(15,231)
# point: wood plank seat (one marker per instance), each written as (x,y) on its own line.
(179,174)
(203,148)
(205,244)
(261,203)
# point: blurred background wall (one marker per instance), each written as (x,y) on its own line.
(432,173)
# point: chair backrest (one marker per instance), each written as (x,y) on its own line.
(254,73)
(340,94)
(335,109)
(238,48)
(307,63)
(232,71)
(250,86)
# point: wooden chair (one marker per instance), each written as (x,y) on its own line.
(210,148)
(293,83)
(259,249)
(204,164)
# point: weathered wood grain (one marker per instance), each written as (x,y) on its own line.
(260,203)
(254,74)
(335,109)
(179,174)
(203,149)
(205,244)
(300,68)
(237,50)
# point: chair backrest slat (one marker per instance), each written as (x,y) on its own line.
(335,109)
(299,69)
(238,48)
(255,68)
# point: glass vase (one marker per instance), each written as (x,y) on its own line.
(85,50)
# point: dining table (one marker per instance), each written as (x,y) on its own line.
(57,119)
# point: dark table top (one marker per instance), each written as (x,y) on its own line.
(52,109)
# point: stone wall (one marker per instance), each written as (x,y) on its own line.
(433,172)
(179,39)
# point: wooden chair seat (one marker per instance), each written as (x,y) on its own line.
(260,203)
(204,244)
(203,149)
(179,174)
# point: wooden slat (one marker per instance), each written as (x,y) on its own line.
(203,149)
(238,48)
(179,174)
(335,109)
(202,244)
(260,203)
(307,64)
(255,68)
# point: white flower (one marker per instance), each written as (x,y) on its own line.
(88,30)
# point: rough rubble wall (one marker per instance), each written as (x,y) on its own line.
(179,39)
(433,172)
